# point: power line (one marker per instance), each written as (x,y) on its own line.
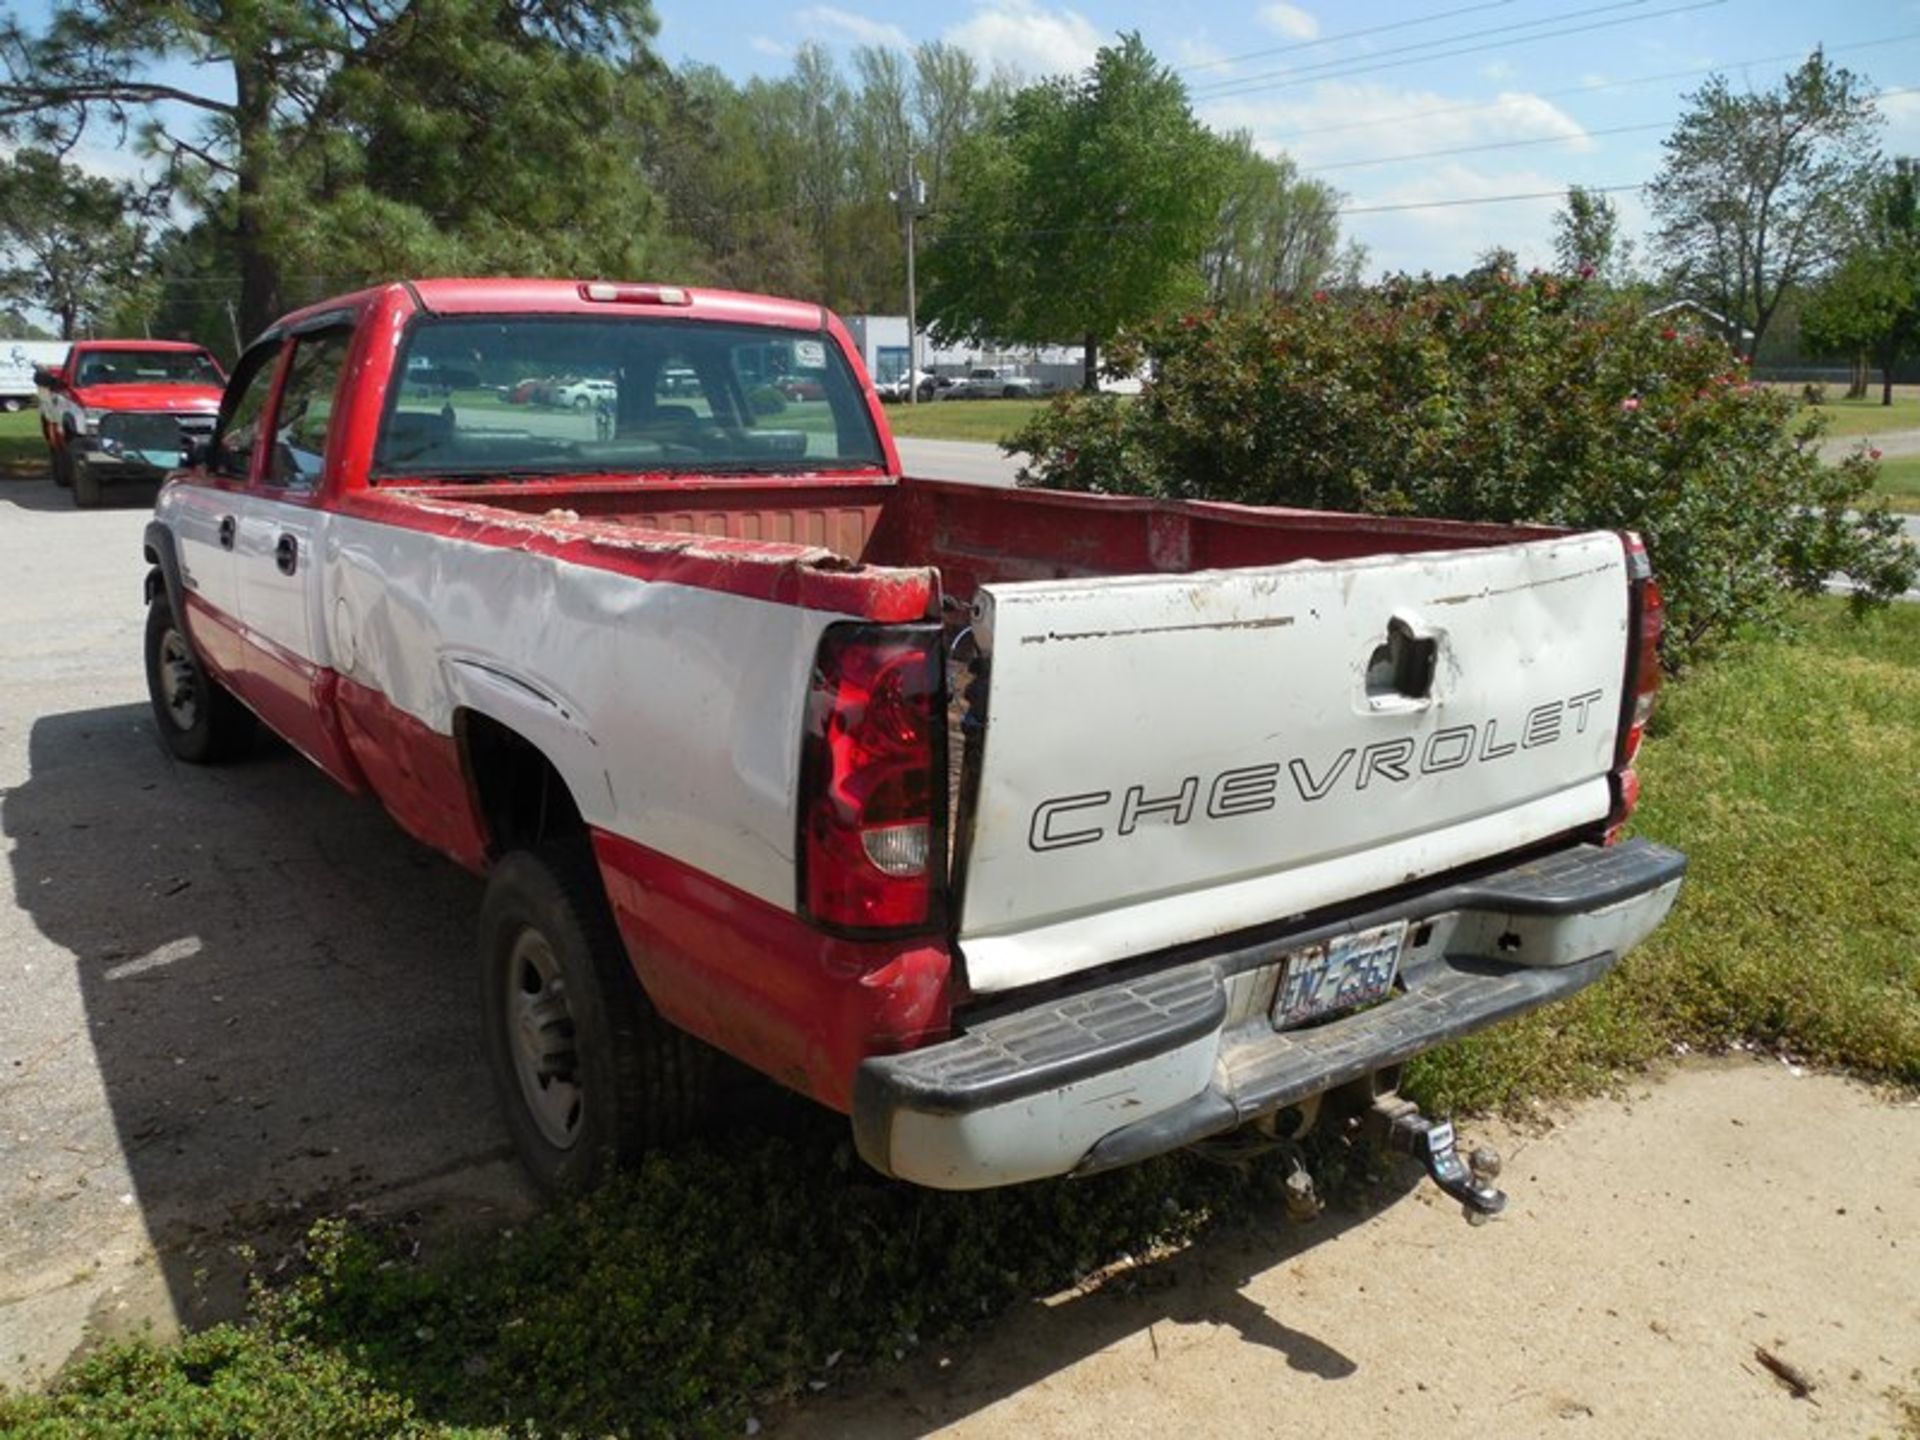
(1252,85)
(1487,199)
(1320,40)
(1612,5)
(1589,89)
(1491,145)
(1538,140)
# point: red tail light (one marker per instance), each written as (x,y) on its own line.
(871,805)
(1646,619)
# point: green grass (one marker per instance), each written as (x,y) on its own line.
(1867,416)
(682,1299)
(986,421)
(1787,773)
(22,454)
(1900,482)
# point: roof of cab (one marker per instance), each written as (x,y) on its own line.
(502,296)
(182,345)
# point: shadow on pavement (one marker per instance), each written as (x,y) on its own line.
(276,991)
(1140,1307)
(36,491)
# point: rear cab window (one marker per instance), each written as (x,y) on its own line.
(532,395)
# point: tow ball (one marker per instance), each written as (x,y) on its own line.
(1400,1125)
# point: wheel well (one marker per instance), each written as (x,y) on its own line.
(522,799)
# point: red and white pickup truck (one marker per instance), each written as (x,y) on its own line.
(125,410)
(1039,833)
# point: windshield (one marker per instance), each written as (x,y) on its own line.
(500,396)
(147,367)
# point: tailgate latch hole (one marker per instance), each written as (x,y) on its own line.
(1403,667)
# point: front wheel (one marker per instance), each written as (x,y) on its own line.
(199,720)
(12,404)
(587,1073)
(86,483)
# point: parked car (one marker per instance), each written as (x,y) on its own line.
(585,394)
(1039,833)
(896,388)
(990,382)
(124,410)
(799,387)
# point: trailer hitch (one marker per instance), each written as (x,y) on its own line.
(1400,1125)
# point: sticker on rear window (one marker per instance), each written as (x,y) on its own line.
(810,355)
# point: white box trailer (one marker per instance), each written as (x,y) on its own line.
(18,360)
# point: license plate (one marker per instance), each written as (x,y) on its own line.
(1338,974)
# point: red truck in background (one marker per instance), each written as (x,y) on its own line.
(125,410)
(1037,833)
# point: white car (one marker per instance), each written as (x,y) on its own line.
(585,394)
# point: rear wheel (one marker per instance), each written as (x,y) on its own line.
(198,718)
(588,1075)
(12,404)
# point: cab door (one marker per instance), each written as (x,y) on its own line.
(281,528)
(204,516)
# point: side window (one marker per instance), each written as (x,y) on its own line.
(306,408)
(239,432)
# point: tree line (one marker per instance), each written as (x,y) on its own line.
(332,142)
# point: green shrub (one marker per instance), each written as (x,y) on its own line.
(764,400)
(1509,400)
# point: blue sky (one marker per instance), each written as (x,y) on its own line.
(1419,111)
(1364,94)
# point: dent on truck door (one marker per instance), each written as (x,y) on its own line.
(276,558)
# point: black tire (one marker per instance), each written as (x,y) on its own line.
(13,404)
(61,458)
(86,484)
(204,725)
(588,1075)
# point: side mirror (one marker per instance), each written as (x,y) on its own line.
(46,379)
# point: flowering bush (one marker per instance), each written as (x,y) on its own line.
(1529,400)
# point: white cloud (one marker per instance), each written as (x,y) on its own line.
(1027,38)
(1902,135)
(1448,237)
(1198,53)
(1336,122)
(844,23)
(1290,21)
(767,45)
(1497,70)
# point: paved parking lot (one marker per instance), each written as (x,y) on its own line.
(233,995)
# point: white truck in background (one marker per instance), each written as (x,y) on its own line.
(18,360)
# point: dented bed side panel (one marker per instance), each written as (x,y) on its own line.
(1169,758)
(672,711)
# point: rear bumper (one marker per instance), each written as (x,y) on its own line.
(1113,1075)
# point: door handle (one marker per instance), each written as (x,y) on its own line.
(286,554)
(226,532)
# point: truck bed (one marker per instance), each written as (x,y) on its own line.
(972,534)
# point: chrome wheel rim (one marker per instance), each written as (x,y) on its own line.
(179,681)
(541,1036)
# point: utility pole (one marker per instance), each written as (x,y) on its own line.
(911,195)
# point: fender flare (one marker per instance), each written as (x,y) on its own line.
(164,558)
